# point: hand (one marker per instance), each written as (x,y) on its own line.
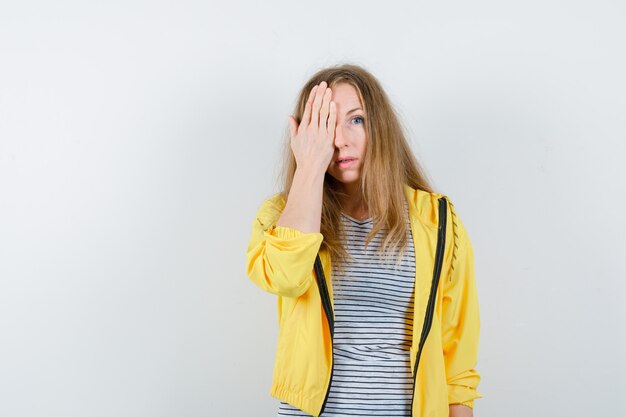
(460,410)
(313,141)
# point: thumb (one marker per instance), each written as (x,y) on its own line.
(293,126)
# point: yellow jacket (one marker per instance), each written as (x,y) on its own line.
(283,261)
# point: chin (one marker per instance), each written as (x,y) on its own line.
(349,181)
(346,179)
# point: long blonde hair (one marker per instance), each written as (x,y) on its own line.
(389,163)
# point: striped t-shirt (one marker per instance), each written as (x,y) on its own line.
(373,305)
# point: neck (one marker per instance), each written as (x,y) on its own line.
(352,203)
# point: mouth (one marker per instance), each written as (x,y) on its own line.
(346,162)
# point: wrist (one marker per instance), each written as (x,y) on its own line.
(309,176)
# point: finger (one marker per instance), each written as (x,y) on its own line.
(332,120)
(317,103)
(293,128)
(306,117)
(325,109)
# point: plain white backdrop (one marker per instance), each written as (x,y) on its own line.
(137,140)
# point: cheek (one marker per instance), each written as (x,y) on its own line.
(363,143)
(358,136)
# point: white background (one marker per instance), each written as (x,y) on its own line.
(137,140)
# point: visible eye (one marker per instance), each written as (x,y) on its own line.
(359,118)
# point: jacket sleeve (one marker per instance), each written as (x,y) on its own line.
(280,259)
(461,319)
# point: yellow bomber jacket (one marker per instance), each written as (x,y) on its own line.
(444,351)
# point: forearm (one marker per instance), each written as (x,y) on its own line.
(460,410)
(303,210)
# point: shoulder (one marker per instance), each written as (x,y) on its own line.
(425,204)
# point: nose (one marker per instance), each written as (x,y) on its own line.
(339,137)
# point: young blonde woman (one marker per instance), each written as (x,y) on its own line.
(373,270)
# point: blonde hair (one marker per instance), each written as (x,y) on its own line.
(389,162)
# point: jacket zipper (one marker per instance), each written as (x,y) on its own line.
(328,309)
(430,309)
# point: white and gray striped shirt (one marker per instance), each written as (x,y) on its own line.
(373,305)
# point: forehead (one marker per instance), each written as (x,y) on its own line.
(346,96)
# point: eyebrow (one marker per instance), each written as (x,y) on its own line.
(358,108)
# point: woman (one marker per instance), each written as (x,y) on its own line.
(377,302)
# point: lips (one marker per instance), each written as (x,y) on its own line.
(346,163)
